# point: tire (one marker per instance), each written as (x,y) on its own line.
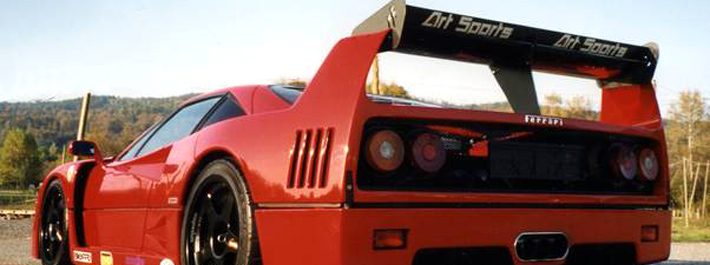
(53,236)
(218,213)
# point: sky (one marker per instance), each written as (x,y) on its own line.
(61,49)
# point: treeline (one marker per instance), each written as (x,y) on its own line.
(687,128)
(577,107)
(34,134)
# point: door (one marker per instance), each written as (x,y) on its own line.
(117,196)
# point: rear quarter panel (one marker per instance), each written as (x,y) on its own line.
(262,143)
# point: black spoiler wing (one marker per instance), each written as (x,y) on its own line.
(503,45)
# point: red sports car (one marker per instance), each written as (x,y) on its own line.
(330,175)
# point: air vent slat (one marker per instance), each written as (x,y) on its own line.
(303,158)
(294,160)
(309,158)
(314,158)
(327,139)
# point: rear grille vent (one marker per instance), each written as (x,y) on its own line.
(309,158)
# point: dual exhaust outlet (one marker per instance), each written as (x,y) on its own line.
(541,246)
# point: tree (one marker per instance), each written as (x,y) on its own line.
(292,82)
(580,107)
(109,146)
(390,89)
(553,105)
(20,164)
(686,132)
(577,107)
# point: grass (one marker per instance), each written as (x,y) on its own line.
(17,200)
(697,231)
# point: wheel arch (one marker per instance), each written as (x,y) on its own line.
(200,163)
(204,159)
(72,179)
(64,185)
(34,250)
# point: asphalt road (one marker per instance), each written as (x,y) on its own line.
(14,247)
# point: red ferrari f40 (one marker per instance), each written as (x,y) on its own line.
(328,174)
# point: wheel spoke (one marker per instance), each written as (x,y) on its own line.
(50,247)
(58,235)
(216,240)
(53,224)
(210,208)
(218,261)
(227,207)
(53,214)
(56,201)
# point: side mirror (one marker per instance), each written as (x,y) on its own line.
(86,149)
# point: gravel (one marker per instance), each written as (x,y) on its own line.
(15,247)
(15,242)
(689,254)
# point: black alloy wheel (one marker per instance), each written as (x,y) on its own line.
(53,236)
(217,225)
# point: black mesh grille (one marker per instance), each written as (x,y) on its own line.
(463,256)
(602,254)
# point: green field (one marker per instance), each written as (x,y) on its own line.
(697,231)
(17,200)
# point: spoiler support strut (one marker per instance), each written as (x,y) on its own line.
(518,86)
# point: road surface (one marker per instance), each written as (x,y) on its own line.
(15,238)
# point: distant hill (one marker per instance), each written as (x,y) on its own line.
(113,121)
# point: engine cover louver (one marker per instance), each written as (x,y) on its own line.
(309,158)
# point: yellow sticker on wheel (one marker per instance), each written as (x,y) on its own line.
(106,258)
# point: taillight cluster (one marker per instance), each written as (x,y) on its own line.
(414,155)
(629,164)
(385,151)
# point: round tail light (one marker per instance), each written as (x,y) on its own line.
(428,152)
(385,150)
(624,162)
(648,163)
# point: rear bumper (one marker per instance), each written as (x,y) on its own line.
(345,236)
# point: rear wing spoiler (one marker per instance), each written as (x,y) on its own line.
(628,96)
(432,33)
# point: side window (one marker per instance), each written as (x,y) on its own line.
(181,124)
(134,149)
(227,109)
(287,93)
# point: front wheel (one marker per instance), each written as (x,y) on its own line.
(217,225)
(53,239)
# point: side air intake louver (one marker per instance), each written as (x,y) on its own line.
(309,158)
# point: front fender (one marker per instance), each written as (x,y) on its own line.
(66,174)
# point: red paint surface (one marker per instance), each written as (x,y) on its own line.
(345,236)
